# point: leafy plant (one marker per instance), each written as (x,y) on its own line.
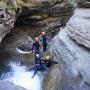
(12,6)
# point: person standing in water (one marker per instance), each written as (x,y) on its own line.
(43,40)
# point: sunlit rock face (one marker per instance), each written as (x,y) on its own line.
(72,50)
(79,28)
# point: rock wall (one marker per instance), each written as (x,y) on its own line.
(6,24)
(45,15)
(83,3)
(72,50)
(7,20)
(39,16)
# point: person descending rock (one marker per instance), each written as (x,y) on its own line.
(37,66)
(37,58)
(42,64)
(36,46)
(43,40)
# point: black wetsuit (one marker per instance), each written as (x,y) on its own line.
(37,60)
(44,42)
(36,46)
(49,63)
(42,65)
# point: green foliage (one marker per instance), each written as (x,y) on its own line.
(2,5)
(69,1)
(11,6)
(11,9)
(19,3)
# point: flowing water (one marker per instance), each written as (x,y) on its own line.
(20,76)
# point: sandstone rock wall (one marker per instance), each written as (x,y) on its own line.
(46,15)
(72,49)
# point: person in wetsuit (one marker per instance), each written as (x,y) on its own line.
(36,46)
(42,65)
(43,40)
(37,66)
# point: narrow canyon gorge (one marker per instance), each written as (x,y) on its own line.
(66,23)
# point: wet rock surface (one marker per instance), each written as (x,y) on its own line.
(5,85)
(71,48)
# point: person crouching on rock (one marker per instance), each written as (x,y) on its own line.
(37,59)
(36,46)
(49,62)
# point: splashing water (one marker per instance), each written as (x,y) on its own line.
(23,78)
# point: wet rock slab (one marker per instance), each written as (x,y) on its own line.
(5,85)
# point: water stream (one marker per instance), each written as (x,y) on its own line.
(20,76)
(18,73)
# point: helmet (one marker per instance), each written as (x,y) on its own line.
(37,55)
(43,33)
(36,39)
(47,57)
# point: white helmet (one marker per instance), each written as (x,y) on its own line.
(37,55)
(47,57)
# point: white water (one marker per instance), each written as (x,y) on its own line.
(23,52)
(23,78)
